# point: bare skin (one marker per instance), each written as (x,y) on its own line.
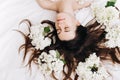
(66,23)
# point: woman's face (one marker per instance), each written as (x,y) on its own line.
(66,26)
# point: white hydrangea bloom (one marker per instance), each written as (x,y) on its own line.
(98,11)
(43,65)
(113,36)
(50,62)
(37,36)
(84,69)
(108,16)
(105,15)
(111,14)
(93,59)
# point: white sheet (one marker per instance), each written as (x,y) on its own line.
(11,13)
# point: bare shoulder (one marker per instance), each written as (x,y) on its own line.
(47,4)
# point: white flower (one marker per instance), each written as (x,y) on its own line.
(50,62)
(93,59)
(105,15)
(91,69)
(110,17)
(113,36)
(38,37)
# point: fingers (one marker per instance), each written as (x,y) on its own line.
(87,4)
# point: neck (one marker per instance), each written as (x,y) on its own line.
(69,12)
(65,7)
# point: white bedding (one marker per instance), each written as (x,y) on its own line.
(11,13)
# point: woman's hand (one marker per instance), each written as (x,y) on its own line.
(86,4)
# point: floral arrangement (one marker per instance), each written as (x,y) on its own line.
(91,69)
(51,62)
(108,15)
(105,15)
(37,35)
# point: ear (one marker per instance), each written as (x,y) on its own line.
(77,23)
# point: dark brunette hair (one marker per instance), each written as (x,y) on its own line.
(88,40)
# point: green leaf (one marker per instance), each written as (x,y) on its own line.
(111,3)
(57,54)
(63,61)
(47,29)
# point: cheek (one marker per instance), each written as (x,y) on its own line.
(70,21)
(71,25)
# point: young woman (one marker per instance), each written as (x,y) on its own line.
(74,42)
(88,40)
(66,23)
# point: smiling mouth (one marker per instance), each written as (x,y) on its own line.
(60,19)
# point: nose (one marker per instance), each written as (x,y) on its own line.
(61,22)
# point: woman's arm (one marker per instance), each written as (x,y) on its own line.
(46,4)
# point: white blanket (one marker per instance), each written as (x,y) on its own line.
(11,13)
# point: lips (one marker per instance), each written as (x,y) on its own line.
(60,19)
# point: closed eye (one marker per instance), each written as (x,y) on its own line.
(67,29)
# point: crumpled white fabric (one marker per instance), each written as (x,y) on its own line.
(11,13)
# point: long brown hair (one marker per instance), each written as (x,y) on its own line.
(88,39)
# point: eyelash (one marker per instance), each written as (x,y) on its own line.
(66,30)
